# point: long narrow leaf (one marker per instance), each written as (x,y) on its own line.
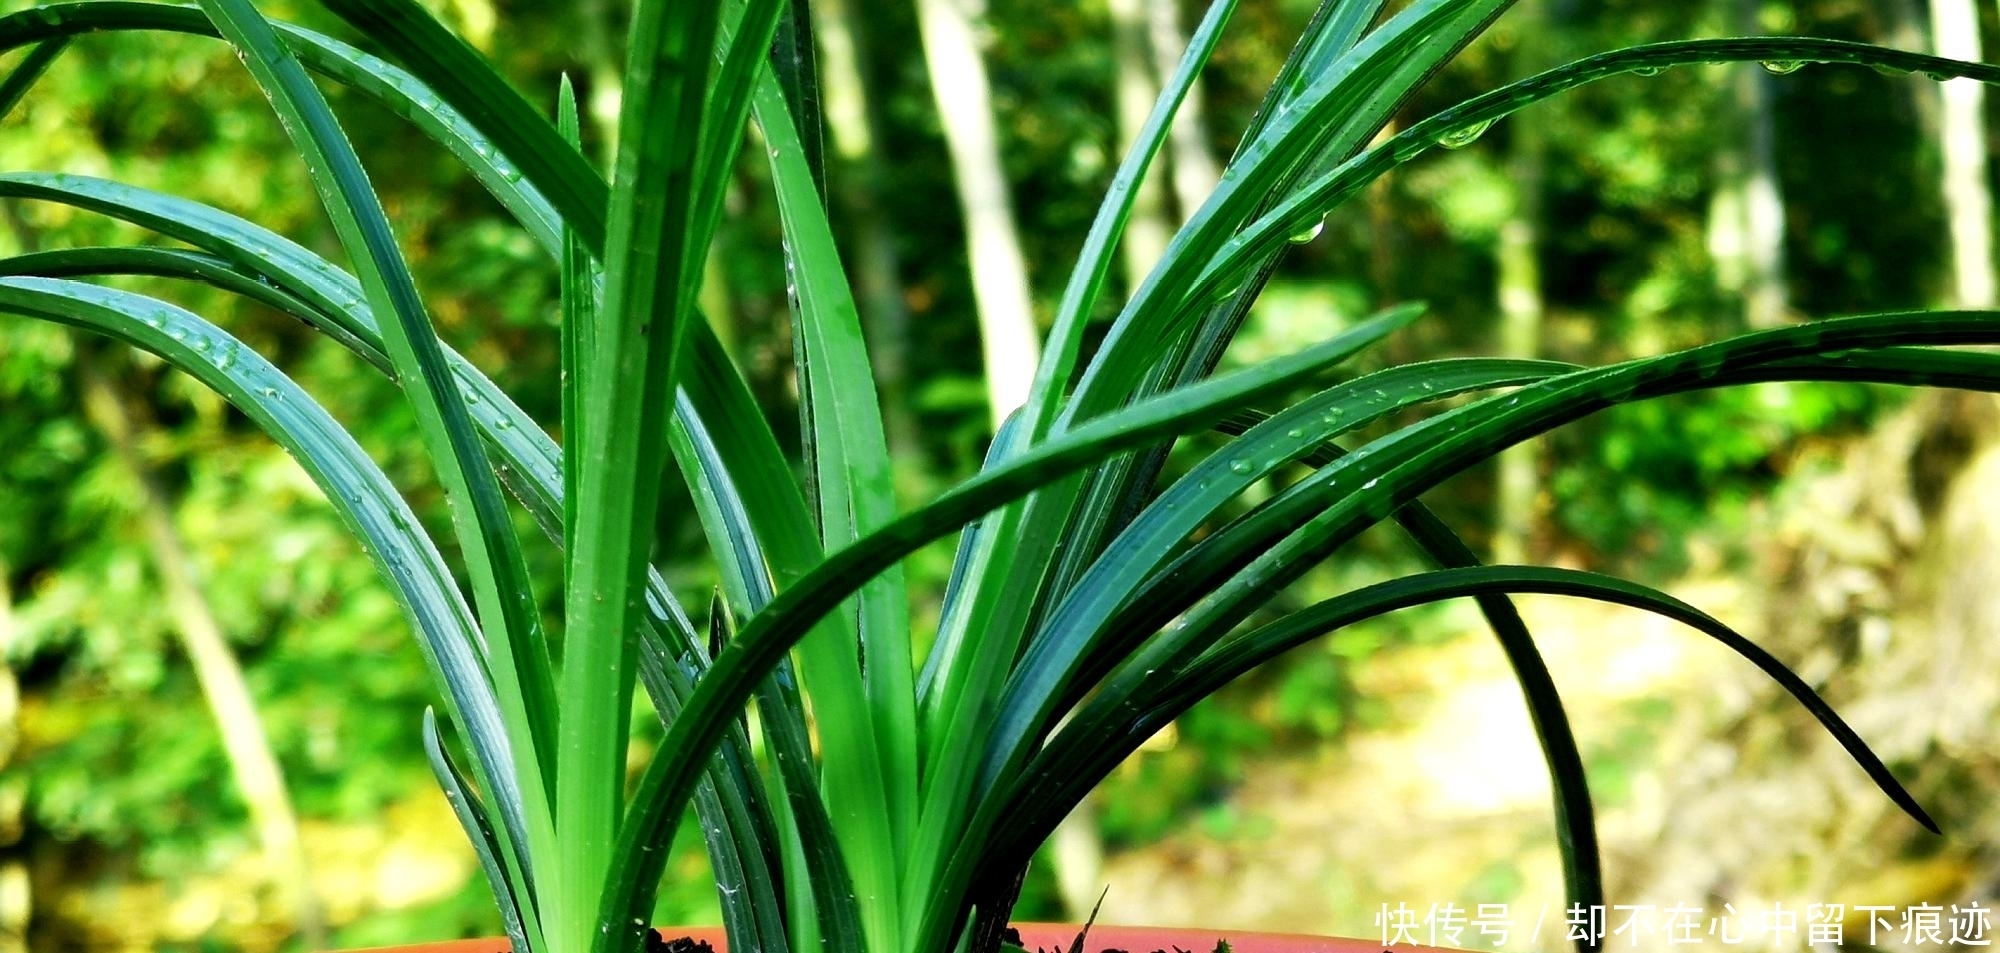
(1329,189)
(864,701)
(667,782)
(364,498)
(519,660)
(1133,710)
(653,247)
(394,88)
(1073,648)
(465,79)
(472,817)
(737,826)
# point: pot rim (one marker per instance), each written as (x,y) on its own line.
(1050,936)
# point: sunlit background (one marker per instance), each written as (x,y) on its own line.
(209,704)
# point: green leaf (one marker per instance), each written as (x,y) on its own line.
(1229,573)
(1575,819)
(356,488)
(177,263)
(467,81)
(763,642)
(577,285)
(658,230)
(472,816)
(394,88)
(1328,189)
(518,661)
(737,825)
(1079,642)
(22,77)
(795,66)
(1137,704)
(866,713)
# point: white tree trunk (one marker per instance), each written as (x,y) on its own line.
(1746,223)
(1195,171)
(252,764)
(1517,264)
(1009,341)
(1149,228)
(1967,199)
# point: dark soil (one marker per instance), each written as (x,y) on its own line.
(655,944)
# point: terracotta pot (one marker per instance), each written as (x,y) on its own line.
(1049,936)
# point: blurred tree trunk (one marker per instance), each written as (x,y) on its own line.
(604,68)
(1148,44)
(1519,269)
(16,901)
(853,123)
(1195,171)
(1150,227)
(251,762)
(1962,139)
(1007,334)
(1746,225)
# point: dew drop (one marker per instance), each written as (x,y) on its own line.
(1465,135)
(1781,67)
(270,392)
(1308,233)
(1645,71)
(1240,466)
(1296,433)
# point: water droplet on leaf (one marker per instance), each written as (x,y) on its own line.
(1465,135)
